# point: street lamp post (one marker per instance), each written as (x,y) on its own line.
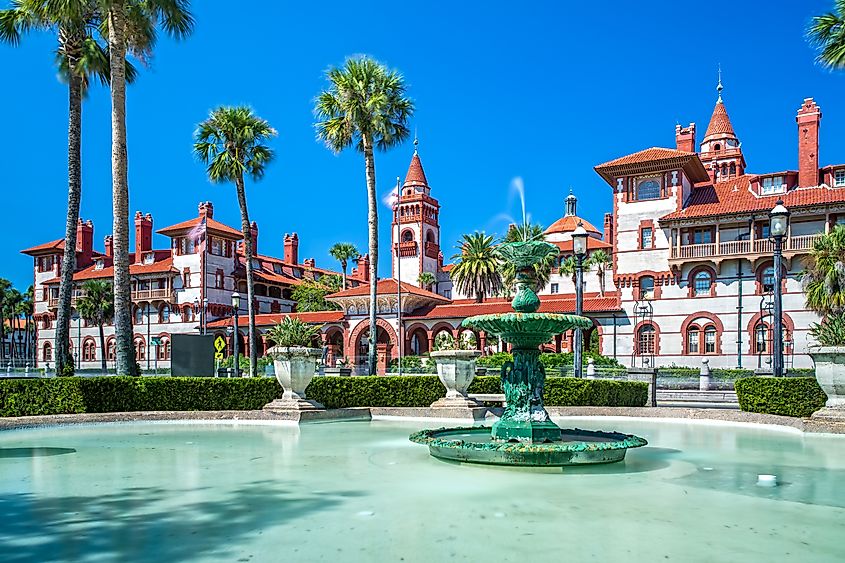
(78,352)
(204,319)
(579,248)
(778,224)
(236,303)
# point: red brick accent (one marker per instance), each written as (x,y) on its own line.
(758,277)
(645,224)
(656,338)
(685,138)
(714,320)
(808,119)
(691,280)
(787,322)
(143,235)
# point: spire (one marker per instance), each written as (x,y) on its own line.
(416,176)
(571,202)
(719,86)
(720,124)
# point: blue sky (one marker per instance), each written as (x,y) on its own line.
(543,92)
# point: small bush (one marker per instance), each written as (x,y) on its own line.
(787,396)
(496,360)
(413,364)
(376,391)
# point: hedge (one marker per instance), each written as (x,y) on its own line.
(788,396)
(22,397)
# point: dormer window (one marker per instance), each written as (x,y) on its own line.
(256,264)
(149,258)
(277,268)
(772,185)
(839,178)
(98,265)
(648,189)
(297,273)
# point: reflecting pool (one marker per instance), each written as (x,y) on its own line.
(360,491)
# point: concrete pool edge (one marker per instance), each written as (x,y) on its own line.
(425,414)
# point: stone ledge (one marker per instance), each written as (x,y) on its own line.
(367,413)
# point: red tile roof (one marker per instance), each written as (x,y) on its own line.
(592,244)
(720,123)
(386,287)
(569,223)
(447,268)
(463,308)
(212,226)
(655,159)
(735,196)
(163,264)
(269,319)
(46,247)
(415,175)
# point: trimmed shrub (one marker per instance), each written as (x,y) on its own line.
(496,360)
(569,391)
(787,396)
(376,391)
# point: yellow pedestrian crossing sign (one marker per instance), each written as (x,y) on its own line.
(219,346)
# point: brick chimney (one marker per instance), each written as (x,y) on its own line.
(108,243)
(84,243)
(685,138)
(143,235)
(364,267)
(291,255)
(809,117)
(608,227)
(253,235)
(309,262)
(206,210)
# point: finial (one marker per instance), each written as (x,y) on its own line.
(416,141)
(719,86)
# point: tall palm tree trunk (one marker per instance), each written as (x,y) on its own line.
(343,267)
(372,221)
(125,353)
(250,286)
(74,195)
(102,348)
(601,281)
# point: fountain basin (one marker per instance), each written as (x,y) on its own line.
(474,444)
(526,330)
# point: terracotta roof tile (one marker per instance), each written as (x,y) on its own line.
(415,175)
(211,225)
(46,247)
(655,159)
(569,223)
(386,287)
(736,197)
(463,308)
(592,244)
(720,123)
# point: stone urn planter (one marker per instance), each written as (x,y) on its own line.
(295,368)
(456,370)
(830,373)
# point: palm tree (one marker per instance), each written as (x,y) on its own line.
(600,260)
(96,305)
(827,33)
(567,268)
(11,304)
(5,288)
(343,252)
(542,270)
(26,309)
(477,272)
(365,104)
(131,26)
(231,142)
(79,57)
(426,280)
(823,278)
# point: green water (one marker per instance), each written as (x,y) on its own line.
(359,491)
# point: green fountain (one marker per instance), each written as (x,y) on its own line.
(525,434)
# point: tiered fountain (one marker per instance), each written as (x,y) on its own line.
(525,435)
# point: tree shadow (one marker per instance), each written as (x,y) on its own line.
(150,524)
(7,453)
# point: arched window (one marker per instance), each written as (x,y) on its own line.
(702,283)
(111,350)
(140,349)
(646,287)
(732,169)
(218,279)
(89,351)
(645,340)
(407,236)
(46,322)
(710,340)
(188,314)
(164,314)
(724,169)
(717,147)
(693,339)
(429,237)
(139,315)
(47,352)
(164,348)
(761,337)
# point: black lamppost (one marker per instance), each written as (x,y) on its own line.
(204,323)
(236,303)
(579,248)
(778,224)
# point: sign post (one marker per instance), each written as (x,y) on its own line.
(219,349)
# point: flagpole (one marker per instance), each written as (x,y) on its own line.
(399,271)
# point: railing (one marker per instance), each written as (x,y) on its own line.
(146,294)
(432,250)
(744,247)
(408,248)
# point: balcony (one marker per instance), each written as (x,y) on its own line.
(432,250)
(153,294)
(408,248)
(797,244)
